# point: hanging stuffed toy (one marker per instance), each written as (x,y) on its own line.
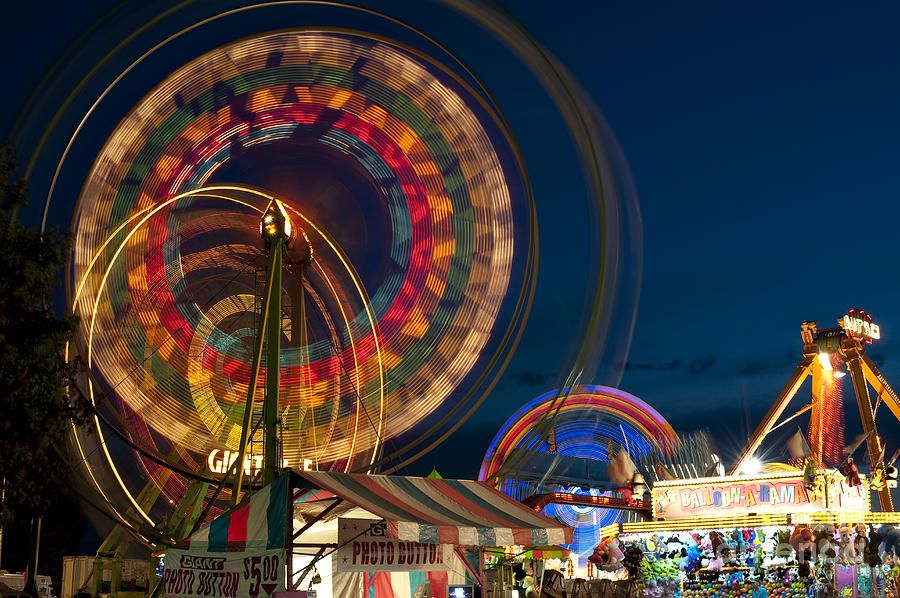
(693,560)
(803,542)
(860,542)
(684,560)
(809,474)
(872,555)
(710,544)
(848,550)
(877,482)
(614,552)
(608,554)
(783,544)
(890,538)
(632,560)
(825,544)
(851,472)
(715,564)
(738,538)
(598,557)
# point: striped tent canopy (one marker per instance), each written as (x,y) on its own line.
(260,523)
(441,511)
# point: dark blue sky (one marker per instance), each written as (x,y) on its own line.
(763,142)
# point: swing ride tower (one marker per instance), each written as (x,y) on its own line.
(845,345)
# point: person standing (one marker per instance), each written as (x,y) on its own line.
(759,591)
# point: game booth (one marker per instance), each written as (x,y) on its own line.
(794,535)
(325,534)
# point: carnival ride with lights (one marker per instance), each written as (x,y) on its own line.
(402,305)
(556,449)
(824,351)
(166,273)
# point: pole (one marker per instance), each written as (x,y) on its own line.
(273,362)
(30,584)
(2,500)
(300,341)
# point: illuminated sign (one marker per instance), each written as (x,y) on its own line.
(743,495)
(587,500)
(220,461)
(859,326)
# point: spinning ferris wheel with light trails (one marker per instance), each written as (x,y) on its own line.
(410,187)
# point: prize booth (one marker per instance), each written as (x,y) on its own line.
(795,536)
(324,534)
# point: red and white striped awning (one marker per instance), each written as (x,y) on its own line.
(463,512)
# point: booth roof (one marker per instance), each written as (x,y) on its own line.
(464,512)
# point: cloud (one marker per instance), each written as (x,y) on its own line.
(794,356)
(671,366)
(752,368)
(701,365)
(531,378)
(694,366)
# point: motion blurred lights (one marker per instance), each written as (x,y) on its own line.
(752,466)
(825,360)
(449,212)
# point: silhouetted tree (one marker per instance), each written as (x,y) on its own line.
(35,409)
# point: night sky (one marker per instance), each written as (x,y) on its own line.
(763,146)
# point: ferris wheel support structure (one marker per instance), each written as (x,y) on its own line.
(275,229)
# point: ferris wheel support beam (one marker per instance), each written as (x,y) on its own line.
(275,230)
(251,386)
(273,358)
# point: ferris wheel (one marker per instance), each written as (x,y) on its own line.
(361,138)
(410,189)
(570,432)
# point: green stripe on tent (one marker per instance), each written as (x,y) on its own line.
(276,512)
(218,533)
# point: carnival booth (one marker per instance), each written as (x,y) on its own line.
(795,535)
(515,570)
(334,534)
